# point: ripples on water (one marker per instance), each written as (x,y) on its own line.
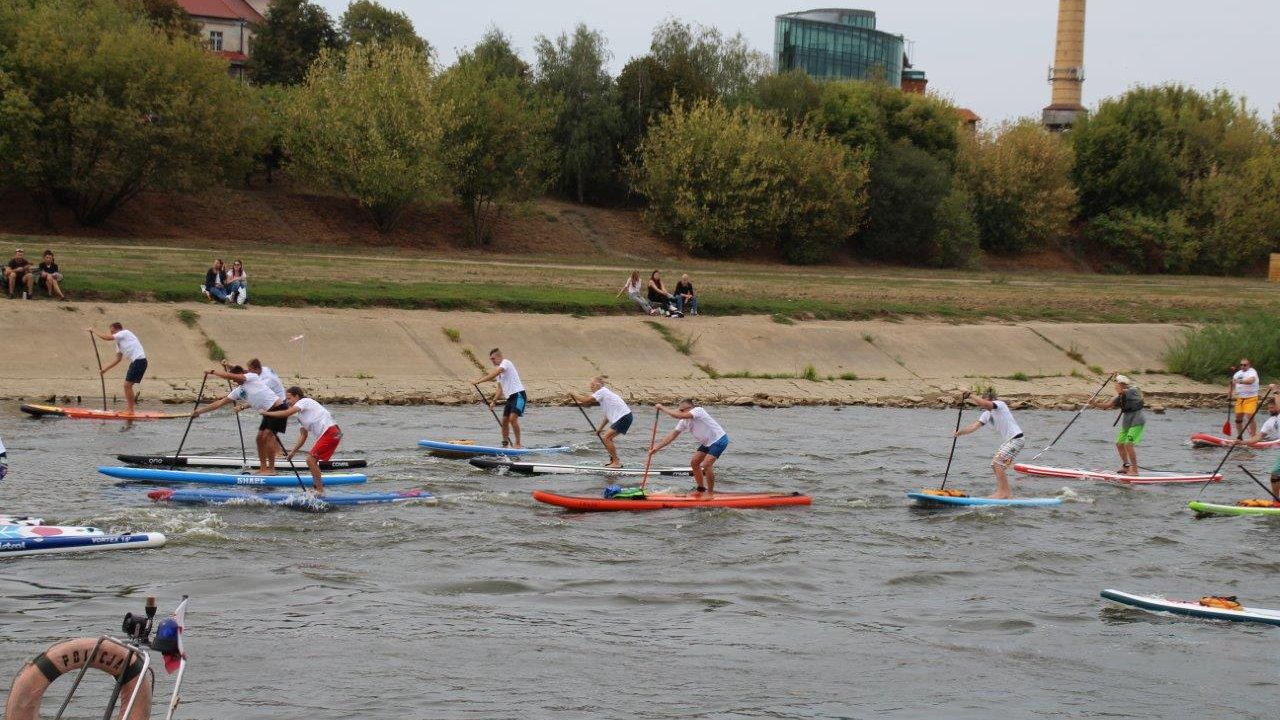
(491,606)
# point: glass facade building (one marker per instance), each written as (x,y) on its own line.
(837,44)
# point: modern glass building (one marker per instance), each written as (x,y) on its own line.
(837,44)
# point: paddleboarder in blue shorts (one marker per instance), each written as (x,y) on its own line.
(513,390)
(996,414)
(127,346)
(712,439)
(617,416)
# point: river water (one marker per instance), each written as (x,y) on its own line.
(492,606)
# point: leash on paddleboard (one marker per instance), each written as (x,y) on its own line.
(101,378)
(235,411)
(1232,446)
(1255,479)
(954,438)
(1077,417)
(487,404)
(173,462)
(653,440)
(588,419)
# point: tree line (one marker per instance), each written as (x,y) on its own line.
(102,99)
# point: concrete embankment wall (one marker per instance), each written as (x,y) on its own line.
(403,356)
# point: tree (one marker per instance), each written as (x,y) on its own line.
(793,95)
(907,186)
(365,124)
(366,21)
(110,107)
(871,116)
(496,147)
(571,73)
(295,33)
(168,17)
(496,56)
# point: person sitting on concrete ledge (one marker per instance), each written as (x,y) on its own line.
(686,298)
(18,272)
(215,282)
(50,276)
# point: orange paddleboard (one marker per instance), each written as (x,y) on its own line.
(660,501)
(92,414)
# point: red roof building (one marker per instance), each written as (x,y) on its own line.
(228,26)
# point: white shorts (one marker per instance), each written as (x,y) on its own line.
(1008,451)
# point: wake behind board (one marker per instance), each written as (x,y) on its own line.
(80,413)
(294,499)
(457,450)
(234,462)
(1072,474)
(927,500)
(1204,440)
(1204,509)
(539,468)
(78,543)
(1193,608)
(670,501)
(288,479)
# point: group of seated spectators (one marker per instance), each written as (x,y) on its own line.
(657,300)
(226,285)
(21,273)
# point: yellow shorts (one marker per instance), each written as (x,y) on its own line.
(1246,405)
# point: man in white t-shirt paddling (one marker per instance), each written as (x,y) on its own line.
(314,419)
(513,390)
(1244,390)
(712,441)
(617,416)
(996,414)
(257,393)
(127,346)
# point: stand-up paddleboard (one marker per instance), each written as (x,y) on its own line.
(1204,440)
(459,450)
(234,462)
(927,500)
(1205,509)
(1150,479)
(78,543)
(156,475)
(80,413)
(295,499)
(1193,608)
(670,501)
(12,532)
(539,468)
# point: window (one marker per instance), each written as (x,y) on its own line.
(215,40)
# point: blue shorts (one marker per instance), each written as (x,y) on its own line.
(515,405)
(715,449)
(623,424)
(137,369)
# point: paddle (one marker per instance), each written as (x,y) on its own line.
(294,467)
(173,462)
(244,456)
(653,440)
(954,438)
(1264,487)
(588,419)
(492,412)
(1073,419)
(1226,424)
(101,378)
(1232,446)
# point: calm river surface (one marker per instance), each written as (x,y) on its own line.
(492,606)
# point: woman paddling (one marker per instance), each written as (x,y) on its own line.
(1129,402)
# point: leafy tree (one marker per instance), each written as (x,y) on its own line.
(294,35)
(955,233)
(907,185)
(727,180)
(571,72)
(871,116)
(496,147)
(497,56)
(367,21)
(1019,176)
(169,17)
(364,124)
(109,107)
(792,94)
(643,89)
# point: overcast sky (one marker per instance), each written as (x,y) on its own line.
(988,55)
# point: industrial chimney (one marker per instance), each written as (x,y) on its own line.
(1067,74)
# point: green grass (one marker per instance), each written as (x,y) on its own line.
(783,319)
(684,347)
(453,334)
(471,355)
(1020,376)
(188,317)
(710,371)
(1074,353)
(846,376)
(1210,353)
(1097,370)
(215,352)
(809,373)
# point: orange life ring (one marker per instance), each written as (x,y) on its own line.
(36,676)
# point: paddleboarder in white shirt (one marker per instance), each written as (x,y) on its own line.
(256,393)
(315,420)
(712,441)
(127,346)
(996,414)
(617,416)
(1244,389)
(513,390)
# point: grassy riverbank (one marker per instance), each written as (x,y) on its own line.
(362,276)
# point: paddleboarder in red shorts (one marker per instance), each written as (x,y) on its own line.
(314,419)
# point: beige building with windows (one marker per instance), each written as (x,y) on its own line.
(228,26)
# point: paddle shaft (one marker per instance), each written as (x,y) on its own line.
(296,474)
(588,419)
(244,456)
(1255,479)
(173,462)
(653,440)
(1232,446)
(946,473)
(487,404)
(1076,417)
(101,378)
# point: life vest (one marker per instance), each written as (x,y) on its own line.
(60,658)
(1226,602)
(1132,405)
(945,493)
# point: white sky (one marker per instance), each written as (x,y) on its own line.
(989,55)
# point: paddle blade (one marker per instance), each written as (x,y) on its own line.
(1226,426)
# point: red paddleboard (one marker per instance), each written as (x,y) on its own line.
(1071,474)
(1203,440)
(92,414)
(663,501)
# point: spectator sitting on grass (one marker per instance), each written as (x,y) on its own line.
(50,277)
(18,270)
(237,283)
(658,295)
(215,282)
(632,289)
(686,298)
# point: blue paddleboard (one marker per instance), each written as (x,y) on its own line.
(293,499)
(11,547)
(156,475)
(460,450)
(936,500)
